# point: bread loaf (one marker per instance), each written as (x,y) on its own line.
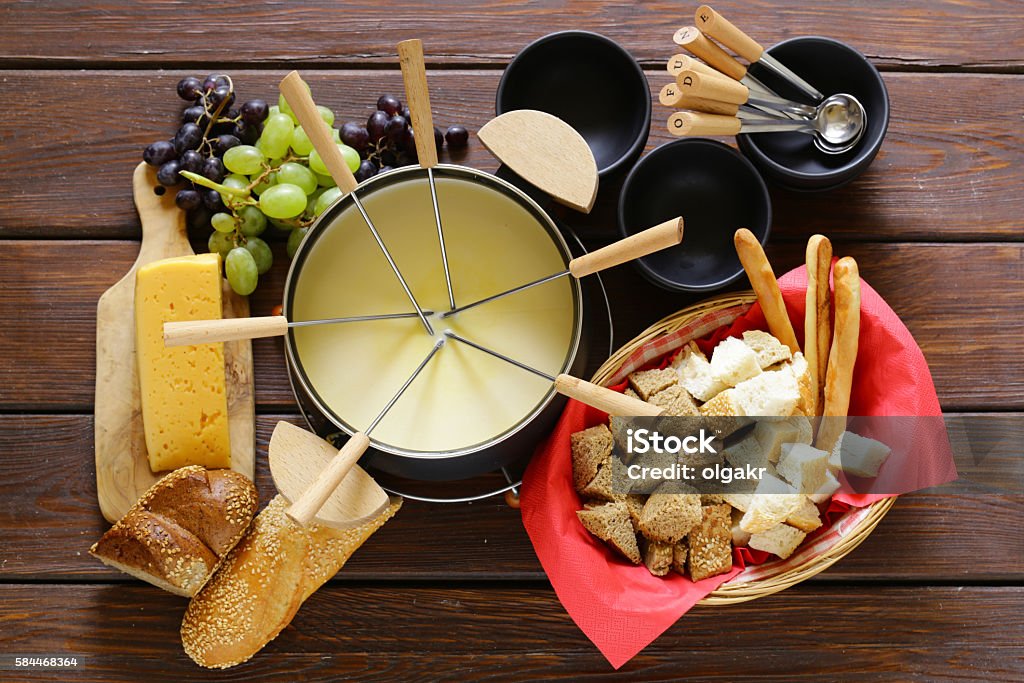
(179,530)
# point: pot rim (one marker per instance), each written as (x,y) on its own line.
(295,367)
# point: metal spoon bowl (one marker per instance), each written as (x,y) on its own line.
(840,123)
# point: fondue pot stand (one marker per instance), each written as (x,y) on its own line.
(494,453)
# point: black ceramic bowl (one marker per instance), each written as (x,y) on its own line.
(791,159)
(591,83)
(715,190)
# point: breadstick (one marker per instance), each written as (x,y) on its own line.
(762,279)
(843,355)
(817,317)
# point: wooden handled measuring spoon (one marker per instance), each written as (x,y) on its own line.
(721,89)
(662,236)
(721,29)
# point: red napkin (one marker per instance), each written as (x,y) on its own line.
(622,607)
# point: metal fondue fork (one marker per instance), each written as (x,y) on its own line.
(296,93)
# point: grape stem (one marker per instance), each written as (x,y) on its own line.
(212,120)
(206,182)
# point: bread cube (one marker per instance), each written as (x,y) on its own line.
(610,523)
(771,434)
(646,383)
(668,517)
(774,500)
(806,518)
(657,556)
(780,540)
(740,538)
(740,501)
(827,490)
(732,362)
(695,376)
(768,394)
(600,486)
(679,554)
(803,466)
(710,543)
(767,348)
(857,455)
(676,402)
(591,448)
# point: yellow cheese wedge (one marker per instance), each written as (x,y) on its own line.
(184,402)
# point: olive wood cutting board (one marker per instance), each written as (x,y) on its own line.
(122,466)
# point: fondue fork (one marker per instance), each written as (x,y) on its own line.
(602,398)
(190,332)
(662,236)
(296,93)
(417,97)
(305,508)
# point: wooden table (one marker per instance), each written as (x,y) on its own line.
(456,591)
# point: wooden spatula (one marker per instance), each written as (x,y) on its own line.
(546,152)
(122,468)
(297,457)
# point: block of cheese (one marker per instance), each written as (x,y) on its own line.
(182,388)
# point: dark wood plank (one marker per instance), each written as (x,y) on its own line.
(362,633)
(942,174)
(47,477)
(956,300)
(913,33)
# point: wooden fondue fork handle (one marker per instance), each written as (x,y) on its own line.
(662,236)
(191,332)
(309,503)
(296,93)
(602,398)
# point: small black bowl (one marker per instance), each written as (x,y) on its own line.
(791,159)
(590,82)
(715,190)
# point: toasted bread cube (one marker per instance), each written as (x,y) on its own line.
(732,362)
(710,543)
(767,348)
(657,556)
(770,394)
(676,401)
(803,466)
(827,490)
(635,505)
(610,523)
(646,383)
(591,448)
(857,455)
(668,517)
(780,540)
(806,518)
(695,376)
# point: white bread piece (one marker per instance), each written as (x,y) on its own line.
(691,348)
(804,429)
(767,348)
(774,500)
(803,466)
(740,501)
(858,455)
(695,376)
(771,434)
(732,362)
(769,394)
(827,489)
(739,537)
(806,518)
(780,540)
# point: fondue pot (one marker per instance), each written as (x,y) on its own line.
(454,235)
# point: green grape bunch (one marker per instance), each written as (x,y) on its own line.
(241,170)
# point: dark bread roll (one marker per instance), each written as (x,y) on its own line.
(177,533)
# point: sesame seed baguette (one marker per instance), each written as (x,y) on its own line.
(818,316)
(762,279)
(843,354)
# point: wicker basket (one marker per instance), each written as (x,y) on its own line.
(737,590)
